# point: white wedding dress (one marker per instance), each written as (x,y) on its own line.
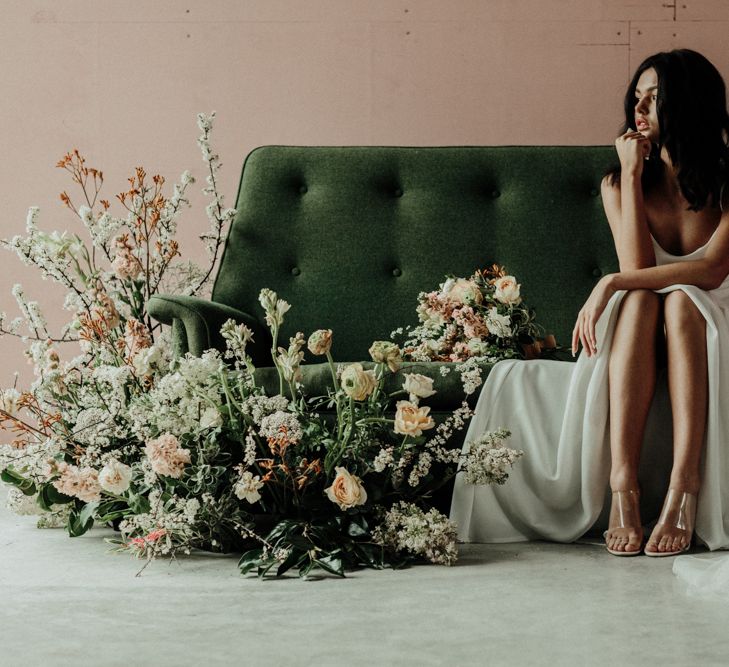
(557,412)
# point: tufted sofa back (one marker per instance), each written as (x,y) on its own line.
(350,235)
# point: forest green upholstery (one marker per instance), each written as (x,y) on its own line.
(350,236)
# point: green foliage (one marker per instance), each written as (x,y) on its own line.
(9,476)
(329,545)
(49,495)
(81,519)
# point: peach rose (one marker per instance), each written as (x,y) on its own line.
(465,291)
(507,290)
(346,489)
(412,420)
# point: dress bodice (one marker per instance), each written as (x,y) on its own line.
(663,257)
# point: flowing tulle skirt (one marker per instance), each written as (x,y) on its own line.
(558,415)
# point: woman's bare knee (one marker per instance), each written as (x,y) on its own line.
(644,298)
(679,309)
(641,306)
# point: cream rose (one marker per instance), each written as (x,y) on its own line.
(411,419)
(115,477)
(357,382)
(465,291)
(418,386)
(320,342)
(507,290)
(346,489)
(385,352)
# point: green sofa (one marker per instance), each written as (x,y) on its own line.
(350,235)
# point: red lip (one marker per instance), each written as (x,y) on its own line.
(641,121)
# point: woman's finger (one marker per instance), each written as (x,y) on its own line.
(575,337)
(583,338)
(593,337)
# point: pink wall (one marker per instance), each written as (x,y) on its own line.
(124,81)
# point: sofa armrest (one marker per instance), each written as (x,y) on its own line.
(196,325)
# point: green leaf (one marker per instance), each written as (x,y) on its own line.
(249,560)
(77,525)
(110,510)
(265,566)
(331,564)
(304,569)
(294,558)
(87,513)
(50,495)
(9,476)
(138,504)
(358,527)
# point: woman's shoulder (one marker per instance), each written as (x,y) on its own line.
(610,185)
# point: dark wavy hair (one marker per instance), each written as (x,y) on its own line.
(693,125)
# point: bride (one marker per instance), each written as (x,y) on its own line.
(655,347)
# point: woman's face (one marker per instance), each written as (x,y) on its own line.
(646,94)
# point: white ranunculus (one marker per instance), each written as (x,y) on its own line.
(358,383)
(507,290)
(115,477)
(246,488)
(144,360)
(477,347)
(446,287)
(211,418)
(498,325)
(418,386)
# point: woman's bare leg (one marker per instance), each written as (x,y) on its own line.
(632,382)
(688,388)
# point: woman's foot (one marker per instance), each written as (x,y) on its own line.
(672,534)
(624,537)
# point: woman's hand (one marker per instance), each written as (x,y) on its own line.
(633,147)
(587,318)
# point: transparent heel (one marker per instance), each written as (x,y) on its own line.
(625,510)
(679,511)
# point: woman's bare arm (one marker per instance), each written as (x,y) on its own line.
(625,212)
(707,273)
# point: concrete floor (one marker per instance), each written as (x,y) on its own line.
(68,602)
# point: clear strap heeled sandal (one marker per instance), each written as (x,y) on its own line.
(625,506)
(679,511)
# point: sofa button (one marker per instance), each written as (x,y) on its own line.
(296,271)
(397,273)
(597,272)
(495,194)
(303,190)
(594,192)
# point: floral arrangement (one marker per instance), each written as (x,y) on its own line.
(481,317)
(191,453)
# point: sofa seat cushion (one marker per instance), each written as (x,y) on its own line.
(317,380)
